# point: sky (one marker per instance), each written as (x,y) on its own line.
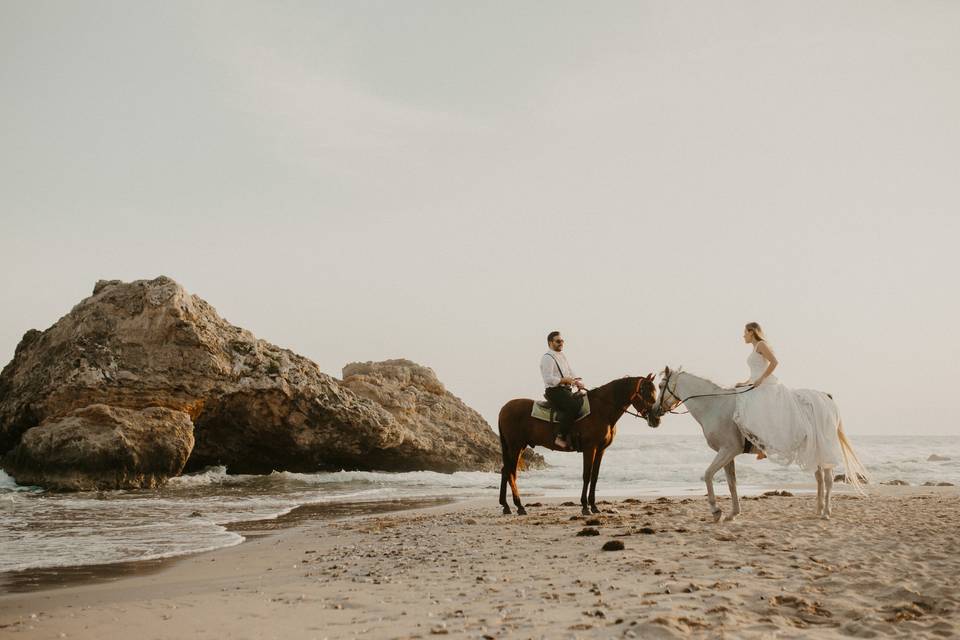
(449,181)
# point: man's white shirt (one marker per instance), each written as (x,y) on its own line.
(553,366)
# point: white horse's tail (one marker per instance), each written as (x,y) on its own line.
(855,474)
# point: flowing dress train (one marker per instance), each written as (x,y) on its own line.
(789,425)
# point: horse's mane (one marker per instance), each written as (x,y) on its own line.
(680,370)
(617,386)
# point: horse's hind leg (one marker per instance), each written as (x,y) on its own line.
(827,489)
(819,476)
(514,463)
(503,489)
(731,471)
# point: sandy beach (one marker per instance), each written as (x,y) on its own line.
(887,565)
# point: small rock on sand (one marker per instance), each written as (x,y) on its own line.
(588,531)
(613,545)
(896,483)
(937,458)
(785,494)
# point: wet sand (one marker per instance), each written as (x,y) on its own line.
(50,577)
(886,565)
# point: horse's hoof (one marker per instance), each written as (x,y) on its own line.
(825,516)
(506,510)
(717,515)
(521,511)
(585,510)
(593,509)
(730,517)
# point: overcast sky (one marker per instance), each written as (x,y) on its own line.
(449,181)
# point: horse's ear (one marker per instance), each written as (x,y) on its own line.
(649,376)
(666,371)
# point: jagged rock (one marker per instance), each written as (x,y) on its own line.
(255,406)
(896,483)
(103,447)
(448,434)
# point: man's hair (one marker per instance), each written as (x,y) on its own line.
(552,335)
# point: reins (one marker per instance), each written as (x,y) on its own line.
(626,409)
(699,395)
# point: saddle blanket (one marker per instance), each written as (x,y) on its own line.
(545,411)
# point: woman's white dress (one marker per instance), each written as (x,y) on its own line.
(789,425)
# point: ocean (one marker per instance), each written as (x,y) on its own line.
(192,512)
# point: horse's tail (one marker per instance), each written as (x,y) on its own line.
(856,473)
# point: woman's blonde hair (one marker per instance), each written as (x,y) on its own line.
(754,328)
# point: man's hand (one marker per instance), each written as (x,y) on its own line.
(578,382)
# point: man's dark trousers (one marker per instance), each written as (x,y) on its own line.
(567,405)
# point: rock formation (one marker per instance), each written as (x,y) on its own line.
(255,407)
(446,433)
(103,447)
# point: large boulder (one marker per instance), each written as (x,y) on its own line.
(103,447)
(446,434)
(255,406)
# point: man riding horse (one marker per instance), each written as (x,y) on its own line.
(563,389)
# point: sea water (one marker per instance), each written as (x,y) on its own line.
(192,512)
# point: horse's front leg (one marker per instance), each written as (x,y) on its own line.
(593,480)
(719,461)
(731,470)
(588,455)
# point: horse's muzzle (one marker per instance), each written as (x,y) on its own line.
(653,419)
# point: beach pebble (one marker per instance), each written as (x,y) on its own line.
(646,530)
(785,494)
(935,458)
(613,545)
(588,531)
(593,522)
(896,483)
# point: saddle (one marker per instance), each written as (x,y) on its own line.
(543,410)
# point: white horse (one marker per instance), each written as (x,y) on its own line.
(713,407)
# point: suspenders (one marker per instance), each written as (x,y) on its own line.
(556,362)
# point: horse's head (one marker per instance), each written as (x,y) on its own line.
(667,400)
(645,396)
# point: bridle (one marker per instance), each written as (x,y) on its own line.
(666,387)
(642,414)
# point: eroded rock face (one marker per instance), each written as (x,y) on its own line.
(103,447)
(447,435)
(255,407)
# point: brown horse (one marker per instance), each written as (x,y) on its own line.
(593,434)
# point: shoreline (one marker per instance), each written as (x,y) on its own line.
(51,577)
(59,576)
(886,564)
